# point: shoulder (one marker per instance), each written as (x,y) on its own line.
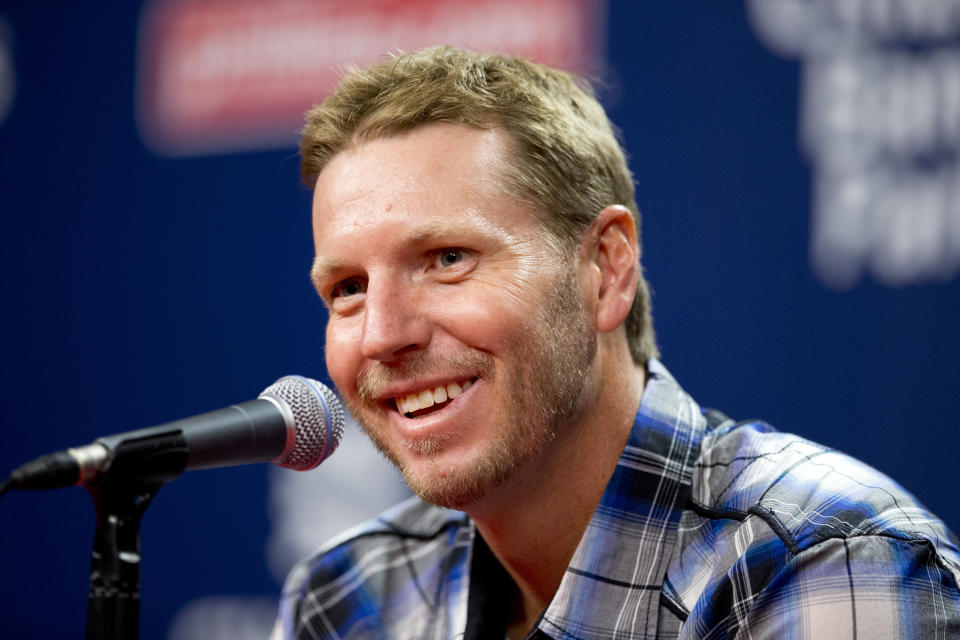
(374,571)
(806,492)
(781,533)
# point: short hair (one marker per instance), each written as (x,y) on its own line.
(565,159)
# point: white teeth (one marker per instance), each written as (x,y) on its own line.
(411,404)
(428,398)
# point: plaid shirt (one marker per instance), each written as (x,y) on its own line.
(707,529)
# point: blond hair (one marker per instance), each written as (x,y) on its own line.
(566,158)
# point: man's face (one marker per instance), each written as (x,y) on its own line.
(456,336)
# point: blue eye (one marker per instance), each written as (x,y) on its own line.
(450,257)
(347,288)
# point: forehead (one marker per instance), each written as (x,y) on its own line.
(427,182)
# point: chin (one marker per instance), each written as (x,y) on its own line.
(444,493)
(462,484)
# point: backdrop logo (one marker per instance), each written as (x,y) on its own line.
(218,75)
(880,122)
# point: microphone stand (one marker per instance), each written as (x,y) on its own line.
(121,494)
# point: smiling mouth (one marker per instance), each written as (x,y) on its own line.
(415,405)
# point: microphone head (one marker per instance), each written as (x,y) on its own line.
(317,420)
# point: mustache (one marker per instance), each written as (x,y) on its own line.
(371,383)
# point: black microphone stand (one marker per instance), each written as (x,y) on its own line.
(121,494)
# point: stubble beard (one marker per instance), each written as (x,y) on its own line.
(545,379)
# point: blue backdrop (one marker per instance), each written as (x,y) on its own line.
(139,289)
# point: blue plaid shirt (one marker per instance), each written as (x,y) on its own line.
(707,529)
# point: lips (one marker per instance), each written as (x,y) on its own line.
(426,431)
(429,400)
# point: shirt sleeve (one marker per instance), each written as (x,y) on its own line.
(875,587)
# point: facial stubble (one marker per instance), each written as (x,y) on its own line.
(545,379)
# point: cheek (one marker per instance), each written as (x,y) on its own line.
(342,356)
(488,323)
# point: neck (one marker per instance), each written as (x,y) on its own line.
(534,522)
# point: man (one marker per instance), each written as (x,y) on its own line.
(477,247)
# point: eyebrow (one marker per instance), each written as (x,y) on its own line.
(322,267)
(432,230)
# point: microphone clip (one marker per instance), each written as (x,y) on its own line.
(121,491)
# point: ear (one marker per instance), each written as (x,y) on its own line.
(609,246)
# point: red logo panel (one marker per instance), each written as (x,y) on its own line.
(230,75)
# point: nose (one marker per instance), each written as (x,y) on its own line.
(393,324)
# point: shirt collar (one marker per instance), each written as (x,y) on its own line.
(613,582)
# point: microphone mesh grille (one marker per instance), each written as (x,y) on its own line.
(317,419)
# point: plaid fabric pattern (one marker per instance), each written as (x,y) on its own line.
(707,529)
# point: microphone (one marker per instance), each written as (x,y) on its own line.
(295,423)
